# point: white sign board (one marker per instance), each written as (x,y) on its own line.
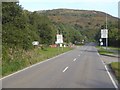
(100,40)
(101,43)
(104,33)
(59,39)
(35,43)
(60,45)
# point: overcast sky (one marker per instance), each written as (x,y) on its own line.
(108,6)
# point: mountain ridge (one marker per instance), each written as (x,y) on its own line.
(88,22)
(77,10)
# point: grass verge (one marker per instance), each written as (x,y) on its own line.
(115,67)
(104,51)
(20,59)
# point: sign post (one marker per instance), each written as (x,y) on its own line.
(59,40)
(104,34)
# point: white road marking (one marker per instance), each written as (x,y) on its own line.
(74,59)
(111,77)
(65,69)
(78,55)
(98,54)
(115,85)
(103,62)
(33,65)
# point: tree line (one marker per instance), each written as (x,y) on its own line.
(21,27)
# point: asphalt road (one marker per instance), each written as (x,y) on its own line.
(79,68)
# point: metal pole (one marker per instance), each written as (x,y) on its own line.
(106,28)
(106,43)
(106,20)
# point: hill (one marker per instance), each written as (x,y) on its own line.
(87,22)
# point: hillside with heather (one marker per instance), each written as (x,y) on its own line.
(88,23)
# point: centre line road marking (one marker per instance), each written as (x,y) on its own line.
(34,65)
(74,59)
(65,69)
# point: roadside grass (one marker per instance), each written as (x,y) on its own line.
(115,67)
(0,70)
(104,51)
(21,59)
(115,48)
(0,60)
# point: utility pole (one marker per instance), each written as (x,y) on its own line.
(107,34)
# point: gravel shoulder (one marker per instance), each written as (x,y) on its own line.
(109,59)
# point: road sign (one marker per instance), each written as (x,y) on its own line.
(101,43)
(60,45)
(104,33)
(35,43)
(100,40)
(59,39)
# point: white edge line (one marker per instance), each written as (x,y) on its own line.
(111,77)
(109,74)
(74,59)
(65,69)
(34,65)
(98,54)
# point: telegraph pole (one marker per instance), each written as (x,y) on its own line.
(107,33)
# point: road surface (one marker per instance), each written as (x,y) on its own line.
(79,68)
